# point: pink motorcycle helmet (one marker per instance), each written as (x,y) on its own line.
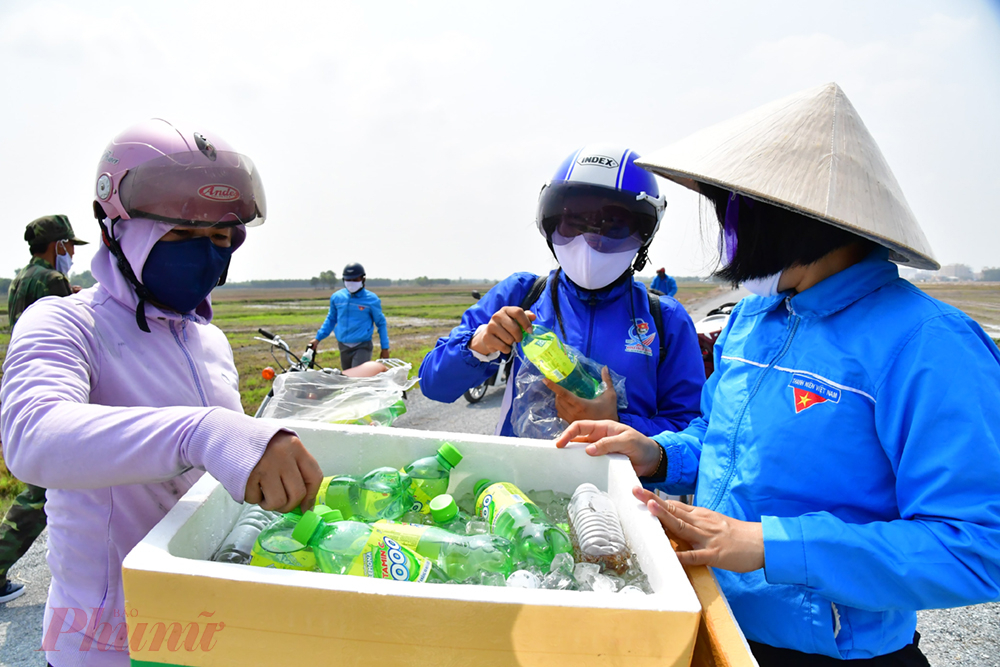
(157,171)
(160,173)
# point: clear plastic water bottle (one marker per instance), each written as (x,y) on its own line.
(238,545)
(277,546)
(511,514)
(598,529)
(384,493)
(445,512)
(431,475)
(403,552)
(546,352)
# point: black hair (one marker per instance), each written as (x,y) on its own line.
(35,247)
(38,248)
(771,238)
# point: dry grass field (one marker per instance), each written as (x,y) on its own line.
(417,317)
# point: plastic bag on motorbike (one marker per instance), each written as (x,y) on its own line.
(533,411)
(324,396)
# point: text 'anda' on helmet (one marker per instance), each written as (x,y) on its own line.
(158,171)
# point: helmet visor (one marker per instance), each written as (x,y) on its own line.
(192,188)
(610,220)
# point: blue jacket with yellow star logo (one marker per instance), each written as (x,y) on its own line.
(858,421)
(353,318)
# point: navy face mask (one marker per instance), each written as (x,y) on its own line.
(180,274)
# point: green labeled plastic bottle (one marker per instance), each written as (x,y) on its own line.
(404,552)
(445,512)
(546,352)
(278,546)
(384,493)
(431,475)
(513,515)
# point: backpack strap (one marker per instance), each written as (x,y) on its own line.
(534,293)
(657,312)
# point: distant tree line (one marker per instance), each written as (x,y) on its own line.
(84,279)
(268,284)
(992,274)
(328,278)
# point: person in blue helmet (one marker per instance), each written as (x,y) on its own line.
(663,283)
(846,464)
(355,313)
(598,214)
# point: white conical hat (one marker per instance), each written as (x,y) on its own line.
(809,152)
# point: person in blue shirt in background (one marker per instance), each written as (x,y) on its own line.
(663,283)
(598,215)
(354,314)
(846,464)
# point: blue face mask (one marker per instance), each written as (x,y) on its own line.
(180,274)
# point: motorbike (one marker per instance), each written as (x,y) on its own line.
(323,394)
(477,393)
(708,329)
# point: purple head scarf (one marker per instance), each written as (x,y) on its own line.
(728,240)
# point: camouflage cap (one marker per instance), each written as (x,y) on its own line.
(50,228)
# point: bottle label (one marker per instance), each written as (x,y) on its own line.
(496,498)
(421,501)
(302,559)
(548,355)
(389,554)
(324,486)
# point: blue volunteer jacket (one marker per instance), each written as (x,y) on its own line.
(665,284)
(858,422)
(661,396)
(352,318)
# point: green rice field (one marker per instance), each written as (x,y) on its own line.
(417,317)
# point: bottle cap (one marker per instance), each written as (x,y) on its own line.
(443,508)
(312,521)
(480,485)
(450,453)
(328,514)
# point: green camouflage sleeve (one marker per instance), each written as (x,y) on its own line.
(58,285)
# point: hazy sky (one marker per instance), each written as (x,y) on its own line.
(414,136)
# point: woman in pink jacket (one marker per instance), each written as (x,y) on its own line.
(117,398)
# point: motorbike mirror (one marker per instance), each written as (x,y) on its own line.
(476,295)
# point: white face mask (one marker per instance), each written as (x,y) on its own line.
(591,269)
(353,285)
(63,262)
(766,286)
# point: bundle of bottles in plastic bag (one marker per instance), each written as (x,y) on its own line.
(403,525)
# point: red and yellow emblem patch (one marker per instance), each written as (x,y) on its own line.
(809,391)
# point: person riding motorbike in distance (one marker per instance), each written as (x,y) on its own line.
(117,398)
(598,215)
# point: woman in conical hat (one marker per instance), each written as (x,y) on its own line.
(846,466)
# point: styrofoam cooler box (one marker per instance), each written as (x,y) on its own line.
(223,614)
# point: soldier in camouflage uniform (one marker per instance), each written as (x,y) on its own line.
(51,241)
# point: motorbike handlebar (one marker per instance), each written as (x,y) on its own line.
(266,334)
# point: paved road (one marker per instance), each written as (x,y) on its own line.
(968,636)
